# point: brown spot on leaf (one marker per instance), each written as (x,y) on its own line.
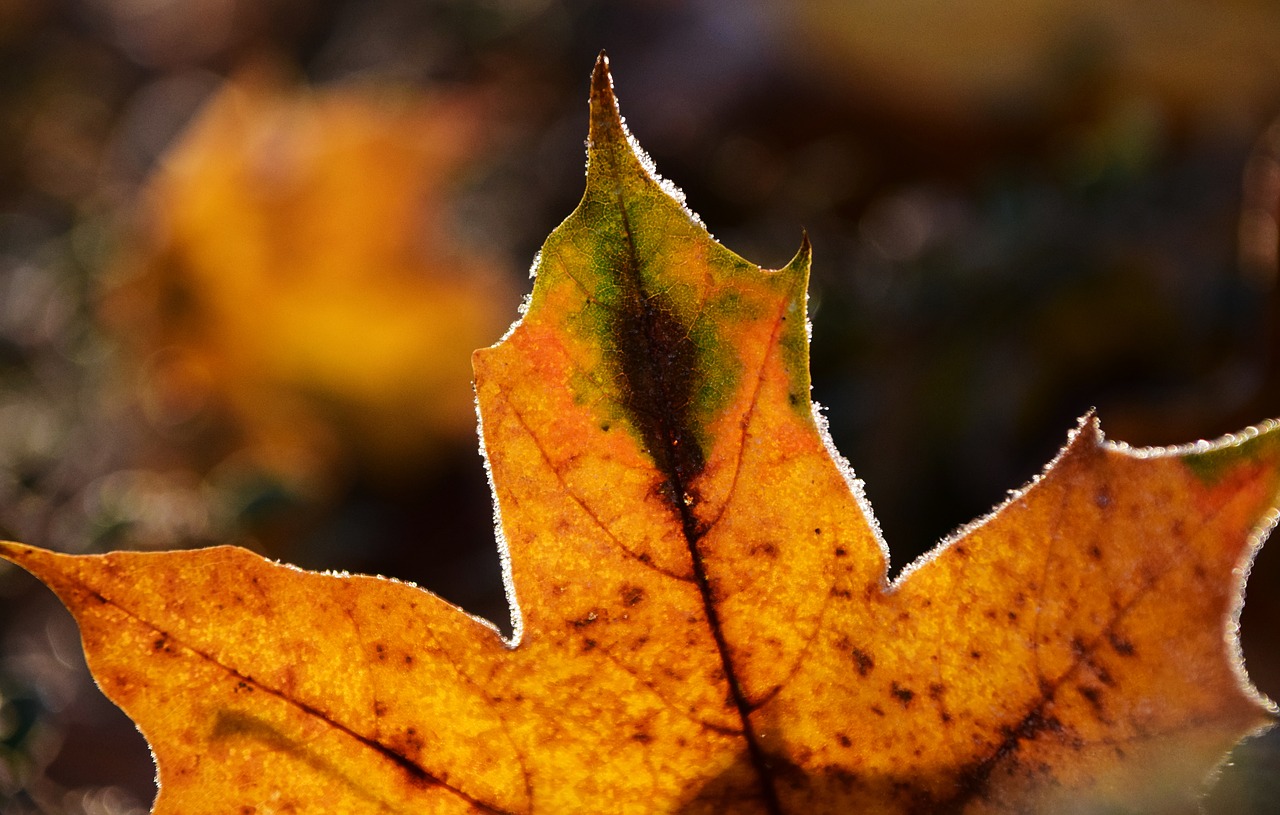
(863,662)
(408,745)
(1093,696)
(1122,646)
(586,620)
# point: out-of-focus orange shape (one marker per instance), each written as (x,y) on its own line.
(992,62)
(707,627)
(298,273)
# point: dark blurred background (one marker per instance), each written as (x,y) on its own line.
(246,248)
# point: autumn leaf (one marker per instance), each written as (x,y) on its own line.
(326,212)
(704,620)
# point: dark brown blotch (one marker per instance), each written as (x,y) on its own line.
(658,366)
(863,662)
(1122,646)
(407,745)
(971,781)
(1093,696)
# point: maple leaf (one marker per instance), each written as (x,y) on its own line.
(704,620)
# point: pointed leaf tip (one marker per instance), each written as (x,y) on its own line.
(11,550)
(803,257)
(606,120)
(600,78)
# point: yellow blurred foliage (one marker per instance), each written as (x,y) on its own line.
(296,280)
(1211,62)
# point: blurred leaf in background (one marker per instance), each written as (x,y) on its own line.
(297,299)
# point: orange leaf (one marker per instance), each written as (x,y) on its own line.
(325,211)
(705,623)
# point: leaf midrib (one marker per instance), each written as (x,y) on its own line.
(691,529)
